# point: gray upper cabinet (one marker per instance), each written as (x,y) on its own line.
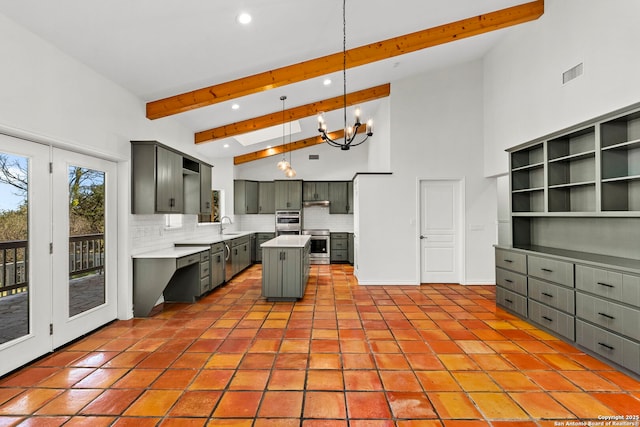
(266,197)
(245,197)
(157,183)
(339,200)
(315,191)
(169,186)
(166,181)
(205,189)
(288,194)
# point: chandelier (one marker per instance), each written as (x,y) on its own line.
(350,132)
(283,164)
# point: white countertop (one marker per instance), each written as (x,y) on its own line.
(175,252)
(287,241)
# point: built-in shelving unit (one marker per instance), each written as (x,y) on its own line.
(620,152)
(574,265)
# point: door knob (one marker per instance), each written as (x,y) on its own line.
(423,237)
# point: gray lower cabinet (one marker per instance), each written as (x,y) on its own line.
(205,272)
(240,253)
(594,306)
(351,249)
(339,247)
(285,272)
(217,263)
(260,239)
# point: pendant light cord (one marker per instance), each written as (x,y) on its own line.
(344,62)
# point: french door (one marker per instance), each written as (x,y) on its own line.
(57,248)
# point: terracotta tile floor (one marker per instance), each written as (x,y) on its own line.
(345,355)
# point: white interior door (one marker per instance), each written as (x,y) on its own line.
(25,264)
(84,244)
(440,242)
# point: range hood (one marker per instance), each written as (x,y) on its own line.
(309,203)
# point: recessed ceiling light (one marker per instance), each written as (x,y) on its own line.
(226,145)
(244,18)
(326,82)
(235,106)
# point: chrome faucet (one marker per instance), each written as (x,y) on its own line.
(221,221)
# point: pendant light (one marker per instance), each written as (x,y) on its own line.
(283,165)
(350,132)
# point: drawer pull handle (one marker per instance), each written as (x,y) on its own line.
(606,315)
(547,295)
(608,347)
(606,284)
(508,300)
(547,270)
(508,260)
(548,319)
(508,280)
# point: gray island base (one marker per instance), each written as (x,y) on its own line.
(285,267)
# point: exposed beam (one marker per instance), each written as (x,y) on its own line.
(355,57)
(295,113)
(296,145)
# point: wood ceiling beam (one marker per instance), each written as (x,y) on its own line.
(355,57)
(295,113)
(296,145)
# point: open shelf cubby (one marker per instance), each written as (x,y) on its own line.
(528,201)
(573,198)
(529,178)
(573,145)
(530,156)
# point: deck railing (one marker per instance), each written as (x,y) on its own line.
(86,255)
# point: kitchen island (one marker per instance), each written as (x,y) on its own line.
(285,267)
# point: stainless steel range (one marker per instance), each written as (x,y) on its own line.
(320,246)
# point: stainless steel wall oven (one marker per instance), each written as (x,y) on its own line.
(288,222)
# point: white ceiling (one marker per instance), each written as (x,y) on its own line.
(159,48)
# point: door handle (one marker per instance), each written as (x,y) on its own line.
(423,237)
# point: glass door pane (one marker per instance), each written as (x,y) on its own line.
(14,241)
(25,262)
(86,239)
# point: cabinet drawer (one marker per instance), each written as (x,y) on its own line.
(555,320)
(620,350)
(511,261)
(339,244)
(609,284)
(339,255)
(187,260)
(556,296)
(204,256)
(217,247)
(339,235)
(204,269)
(240,241)
(513,281)
(511,301)
(609,315)
(550,269)
(205,285)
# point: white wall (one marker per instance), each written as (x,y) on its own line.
(49,97)
(447,143)
(524,95)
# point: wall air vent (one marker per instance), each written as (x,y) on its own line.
(314,156)
(572,73)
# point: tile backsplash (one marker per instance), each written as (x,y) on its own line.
(150,232)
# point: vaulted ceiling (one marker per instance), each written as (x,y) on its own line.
(193,61)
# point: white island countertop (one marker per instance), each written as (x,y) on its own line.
(287,241)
